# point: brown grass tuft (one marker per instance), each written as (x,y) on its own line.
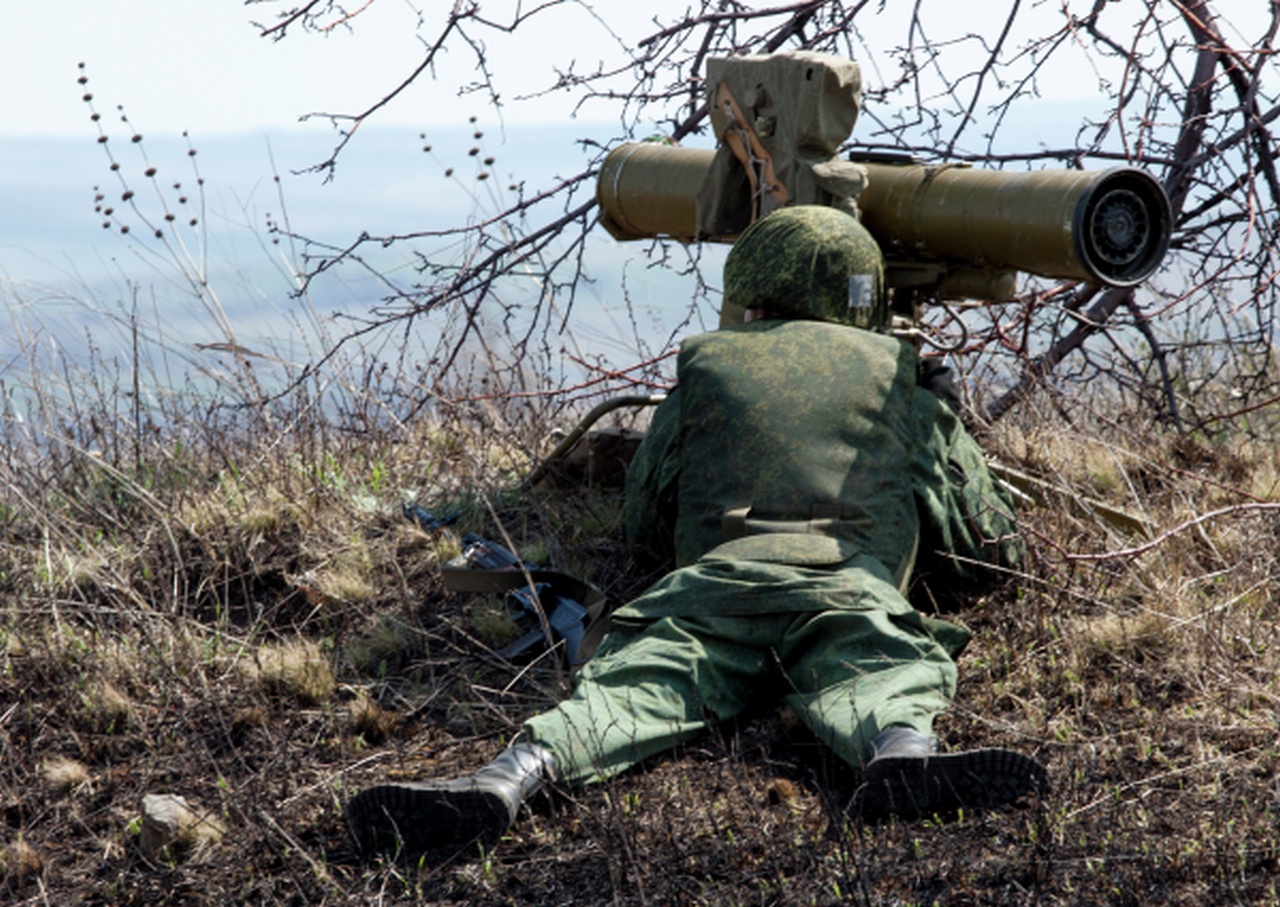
(106,708)
(781,790)
(369,720)
(390,645)
(247,719)
(20,863)
(492,622)
(295,668)
(64,775)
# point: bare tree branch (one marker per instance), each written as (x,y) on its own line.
(1174,96)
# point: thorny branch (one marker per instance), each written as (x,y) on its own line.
(1152,544)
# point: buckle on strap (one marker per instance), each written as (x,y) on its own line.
(737,522)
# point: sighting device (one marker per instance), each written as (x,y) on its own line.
(948,231)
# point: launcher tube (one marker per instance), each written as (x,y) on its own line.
(646,189)
(1110,227)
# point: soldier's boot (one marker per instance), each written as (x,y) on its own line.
(415,816)
(906,777)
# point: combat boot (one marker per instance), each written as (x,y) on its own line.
(906,777)
(415,816)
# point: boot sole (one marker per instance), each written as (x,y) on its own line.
(411,818)
(909,787)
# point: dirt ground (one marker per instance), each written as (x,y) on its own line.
(243,668)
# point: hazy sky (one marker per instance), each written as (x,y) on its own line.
(201,65)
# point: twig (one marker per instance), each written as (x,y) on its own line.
(1159,540)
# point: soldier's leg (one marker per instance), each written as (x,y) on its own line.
(870,684)
(650,689)
(855,673)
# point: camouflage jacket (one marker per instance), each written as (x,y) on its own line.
(808,443)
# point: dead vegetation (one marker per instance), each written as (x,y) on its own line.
(253,625)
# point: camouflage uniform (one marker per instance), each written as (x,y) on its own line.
(786,478)
(790,479)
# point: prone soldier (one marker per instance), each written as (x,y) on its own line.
(790,479)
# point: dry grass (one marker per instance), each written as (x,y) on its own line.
(294,669)
(233,610)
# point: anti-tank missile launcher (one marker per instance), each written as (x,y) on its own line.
(948,231)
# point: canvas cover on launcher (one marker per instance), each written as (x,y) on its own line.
(779,120)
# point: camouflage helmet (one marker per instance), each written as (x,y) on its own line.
(811,262)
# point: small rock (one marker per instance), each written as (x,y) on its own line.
(175,832)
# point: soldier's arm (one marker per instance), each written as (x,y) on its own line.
(967,521)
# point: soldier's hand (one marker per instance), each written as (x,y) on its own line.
(940,381)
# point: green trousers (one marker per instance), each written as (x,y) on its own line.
(847,673)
